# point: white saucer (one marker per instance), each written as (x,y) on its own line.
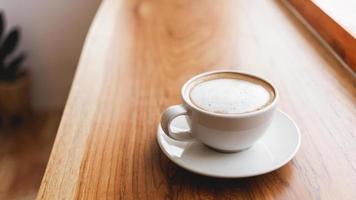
(272,151)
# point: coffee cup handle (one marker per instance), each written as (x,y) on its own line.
(166,119)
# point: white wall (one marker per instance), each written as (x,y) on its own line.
(53,34)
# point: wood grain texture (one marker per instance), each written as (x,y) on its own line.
(136,57)
(335,33)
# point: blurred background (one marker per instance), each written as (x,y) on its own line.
(40,43)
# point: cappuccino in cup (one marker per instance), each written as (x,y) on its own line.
(231,94)
(226,110)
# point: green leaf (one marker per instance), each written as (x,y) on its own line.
(10,43)
(2,24)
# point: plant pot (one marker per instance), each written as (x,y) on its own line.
(15,98)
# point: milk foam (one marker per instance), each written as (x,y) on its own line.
(230,96)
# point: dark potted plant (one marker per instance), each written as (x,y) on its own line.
(14,82)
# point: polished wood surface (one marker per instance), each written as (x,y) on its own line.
(331,25)
(137,56)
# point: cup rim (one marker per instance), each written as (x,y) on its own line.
(231,115)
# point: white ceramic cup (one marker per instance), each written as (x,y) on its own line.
(222,132)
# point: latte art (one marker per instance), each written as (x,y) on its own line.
(230,95)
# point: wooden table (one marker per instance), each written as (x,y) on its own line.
(135,59)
